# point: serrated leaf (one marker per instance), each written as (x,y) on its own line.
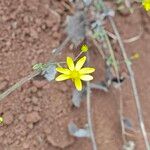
(76,27)
(77,132)
(50,72)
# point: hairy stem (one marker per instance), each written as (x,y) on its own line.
(89,112)
(19,84)
(90,117)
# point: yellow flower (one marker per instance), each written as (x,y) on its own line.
(1,120)
(75,72)
(135,56)
(146,4)
(84,48)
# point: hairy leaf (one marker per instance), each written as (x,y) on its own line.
(99,86)
(50,72)
(77,97)
(127,123)
(39,66)
(77,132)
(76,27)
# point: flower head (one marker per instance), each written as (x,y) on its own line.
(84,48)
(146,4)
(75,72)
(135,56)
(1,119)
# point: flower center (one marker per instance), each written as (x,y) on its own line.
(74,74)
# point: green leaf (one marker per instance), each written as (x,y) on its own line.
(39,66)
(109,61)
(99,6)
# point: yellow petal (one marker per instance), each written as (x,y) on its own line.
(63,70)
(78,84)
(62,77)
(86,77)
(86,70)
(146,4)
(80,63)
(70,63)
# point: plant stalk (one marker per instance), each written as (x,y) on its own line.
(89,117)
(18,84)
(133,82)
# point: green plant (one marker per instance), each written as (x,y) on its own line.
(80,29)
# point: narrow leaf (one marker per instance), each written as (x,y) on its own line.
(99,86)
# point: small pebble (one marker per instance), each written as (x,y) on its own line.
(39,84)
(33,117)
(33,89)
(35,100)
(25,145)
(30,126)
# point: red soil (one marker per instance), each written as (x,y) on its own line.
(37,115)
